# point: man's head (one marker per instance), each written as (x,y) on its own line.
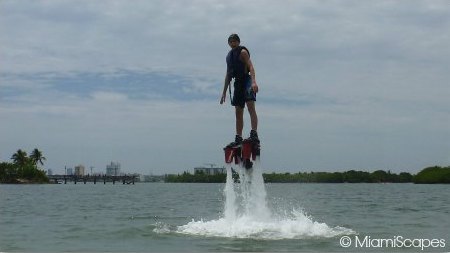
(234,40)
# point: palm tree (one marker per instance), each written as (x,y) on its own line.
(20,157)
(37,157)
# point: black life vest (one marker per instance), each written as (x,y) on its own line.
(235,67)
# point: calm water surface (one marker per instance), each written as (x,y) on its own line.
(147,217)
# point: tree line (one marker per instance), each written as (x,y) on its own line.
(197,177)
(351,176)
(23,168)
(428,175)
(433,175)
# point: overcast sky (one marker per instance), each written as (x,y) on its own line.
(343,84)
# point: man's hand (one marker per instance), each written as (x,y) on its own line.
(255,87)
(222,100)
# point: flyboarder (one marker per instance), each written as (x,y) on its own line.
(240,67)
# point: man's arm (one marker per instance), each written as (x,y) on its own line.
(245,57)
(225,87)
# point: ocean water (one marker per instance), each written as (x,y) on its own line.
(250,216)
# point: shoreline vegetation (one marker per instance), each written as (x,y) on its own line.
(25,170)
(429,175)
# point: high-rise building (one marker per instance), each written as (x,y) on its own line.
(79,170)
(113,169)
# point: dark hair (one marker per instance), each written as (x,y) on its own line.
(234,36)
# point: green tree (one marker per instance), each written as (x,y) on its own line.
(8,172)
(20,158)
(433,175)
(23,168)
(380,176)
(37,157)
(405,177)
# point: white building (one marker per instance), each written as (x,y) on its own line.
(113,169)
(79,170)
(210,171)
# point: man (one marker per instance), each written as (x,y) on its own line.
(240,67)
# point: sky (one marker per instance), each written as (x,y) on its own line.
(343,85)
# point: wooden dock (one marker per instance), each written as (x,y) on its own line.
(59,179)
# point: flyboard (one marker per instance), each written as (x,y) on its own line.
(243,154)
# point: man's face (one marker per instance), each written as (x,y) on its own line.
(233,43)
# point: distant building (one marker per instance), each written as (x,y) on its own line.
(113,169)
(49,172)
(210,170)
(79,170)
(69,171)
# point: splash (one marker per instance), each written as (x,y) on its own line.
(298,227)
(246,214)
(161,228)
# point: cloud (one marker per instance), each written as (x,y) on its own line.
(342,84)
(109,97)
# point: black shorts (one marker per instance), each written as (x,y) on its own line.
(243,92)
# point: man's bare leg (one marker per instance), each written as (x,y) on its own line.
(253,115)
(239,120)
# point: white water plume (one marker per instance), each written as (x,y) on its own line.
(246,214)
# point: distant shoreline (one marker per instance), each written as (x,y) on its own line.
(25,181)
(429,175)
